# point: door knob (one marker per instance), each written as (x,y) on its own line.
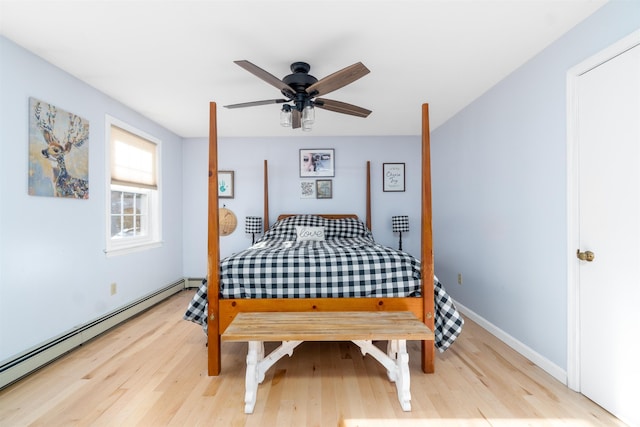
(586,255)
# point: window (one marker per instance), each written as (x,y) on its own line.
(134,217)
(129,212)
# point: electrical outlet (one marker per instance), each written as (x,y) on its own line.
(114,288)
(459,278)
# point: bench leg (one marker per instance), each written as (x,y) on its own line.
(396,361)
(392,352)
(403,382)
(257,366)
(254,357)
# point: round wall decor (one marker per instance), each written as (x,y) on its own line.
(227,221)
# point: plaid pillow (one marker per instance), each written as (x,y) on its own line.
(346,228)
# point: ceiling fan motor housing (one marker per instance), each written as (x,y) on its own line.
(300,80)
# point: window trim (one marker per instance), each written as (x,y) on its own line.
(154,238)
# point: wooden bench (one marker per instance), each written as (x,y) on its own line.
(361,327)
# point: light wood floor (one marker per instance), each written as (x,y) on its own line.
(151,371)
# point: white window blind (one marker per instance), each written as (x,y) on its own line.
(133,160)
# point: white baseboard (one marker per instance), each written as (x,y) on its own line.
(193,282)
(535,357)
(23,364)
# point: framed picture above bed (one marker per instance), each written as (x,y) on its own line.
(307,189)
(225,185)
(324,189)
(315,162)
(393,177)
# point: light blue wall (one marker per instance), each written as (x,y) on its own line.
(54,274)
(245,156)
(499,191)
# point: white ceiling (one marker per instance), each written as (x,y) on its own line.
(169,59)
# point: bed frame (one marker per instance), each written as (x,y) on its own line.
(223,311)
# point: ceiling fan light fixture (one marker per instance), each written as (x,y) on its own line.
(285,116)
(308,114)
(308,117)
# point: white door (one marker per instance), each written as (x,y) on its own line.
(608,152)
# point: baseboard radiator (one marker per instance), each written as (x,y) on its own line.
(22,365)
(193,282)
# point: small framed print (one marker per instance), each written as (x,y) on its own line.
(307,189)
(324,189)
(225,185)
(316,162)
(393,177)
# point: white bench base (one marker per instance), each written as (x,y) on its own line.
(361,327)
(395,361)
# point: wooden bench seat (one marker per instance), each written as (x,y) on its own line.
(361,327)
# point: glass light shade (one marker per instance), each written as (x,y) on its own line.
(285,118)
(306,126)
(308,115)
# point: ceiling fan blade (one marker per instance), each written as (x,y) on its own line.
(267,77)
(256,103)
(295,122)
(341,107)
(338,79)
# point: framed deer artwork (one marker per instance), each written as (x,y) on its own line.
(58,152)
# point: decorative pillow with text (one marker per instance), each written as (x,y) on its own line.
(309,233)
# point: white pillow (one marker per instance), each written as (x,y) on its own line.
(309,233)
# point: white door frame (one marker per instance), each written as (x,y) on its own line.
(573,289)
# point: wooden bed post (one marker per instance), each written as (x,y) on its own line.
(213,258)
(426,249)
(266,197)
(368,213)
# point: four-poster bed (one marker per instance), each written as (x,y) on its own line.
(222,310)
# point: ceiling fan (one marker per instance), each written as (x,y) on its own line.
(301,90)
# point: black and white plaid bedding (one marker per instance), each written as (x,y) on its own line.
(347,263)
